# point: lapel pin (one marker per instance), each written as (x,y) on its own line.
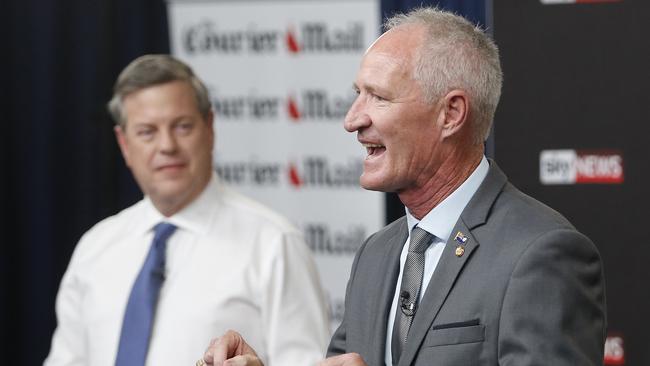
(460,250)
(460,239)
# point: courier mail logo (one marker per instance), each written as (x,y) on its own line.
(310,172)
(251,107)
(313,105)
(323,37)
(318,104)
(318,171)
(252,172)
(206,37)
(580,167)
(323,239)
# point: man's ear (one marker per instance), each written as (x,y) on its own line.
(455,106)
(210,121)
(120,136)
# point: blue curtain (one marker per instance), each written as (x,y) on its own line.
(61,169)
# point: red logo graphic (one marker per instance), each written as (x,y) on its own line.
(292,43)
(294,177)
(293,110)
(614,350)
(581,166)
(599,167)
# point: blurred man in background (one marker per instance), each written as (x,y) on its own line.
(476,272)
(192,259)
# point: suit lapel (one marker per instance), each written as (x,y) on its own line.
(441,283)
(450,265)
(389,267)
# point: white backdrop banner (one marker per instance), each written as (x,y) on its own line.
(280,75)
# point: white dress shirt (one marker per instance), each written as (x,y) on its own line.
(231,264)
(440,222)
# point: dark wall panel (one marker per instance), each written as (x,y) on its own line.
(576,77)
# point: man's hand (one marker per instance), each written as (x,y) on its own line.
(231,350)
(348,359)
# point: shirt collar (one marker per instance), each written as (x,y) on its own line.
(195,217)
(440,221)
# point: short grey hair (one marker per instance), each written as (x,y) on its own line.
(149,70)
(456,55)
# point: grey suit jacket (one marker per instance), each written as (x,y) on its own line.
(528,290)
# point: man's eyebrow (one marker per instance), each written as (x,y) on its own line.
(367,87)
(141,123)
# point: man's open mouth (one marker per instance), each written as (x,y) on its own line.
(374,149)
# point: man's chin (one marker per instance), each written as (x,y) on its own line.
(372,183)
(170,201)
(170,190)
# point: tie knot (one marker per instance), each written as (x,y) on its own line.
(163,231)
(420,240)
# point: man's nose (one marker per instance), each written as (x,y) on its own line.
(167,141)
(357,117)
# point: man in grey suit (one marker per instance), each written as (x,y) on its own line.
(476,273)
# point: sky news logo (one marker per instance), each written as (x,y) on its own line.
(206,37)
(614,350)
(580,167)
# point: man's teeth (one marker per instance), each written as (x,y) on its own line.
(370,148)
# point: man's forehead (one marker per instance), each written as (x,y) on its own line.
(388,56)
(384,60)
(375,42)
(407,36)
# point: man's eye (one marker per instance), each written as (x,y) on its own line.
(145,133)
(379,98)
(184,127)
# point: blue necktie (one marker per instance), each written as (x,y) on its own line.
(138,318)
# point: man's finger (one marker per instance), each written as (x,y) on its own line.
(229,345)
(348,359)
(207,356)
(246,360)
(226,347)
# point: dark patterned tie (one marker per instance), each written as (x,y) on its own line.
(409,290)
(138,317)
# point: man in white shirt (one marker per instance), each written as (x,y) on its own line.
(476,273)
(229,262)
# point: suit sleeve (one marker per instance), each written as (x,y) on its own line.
(338,344)
(554,307)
